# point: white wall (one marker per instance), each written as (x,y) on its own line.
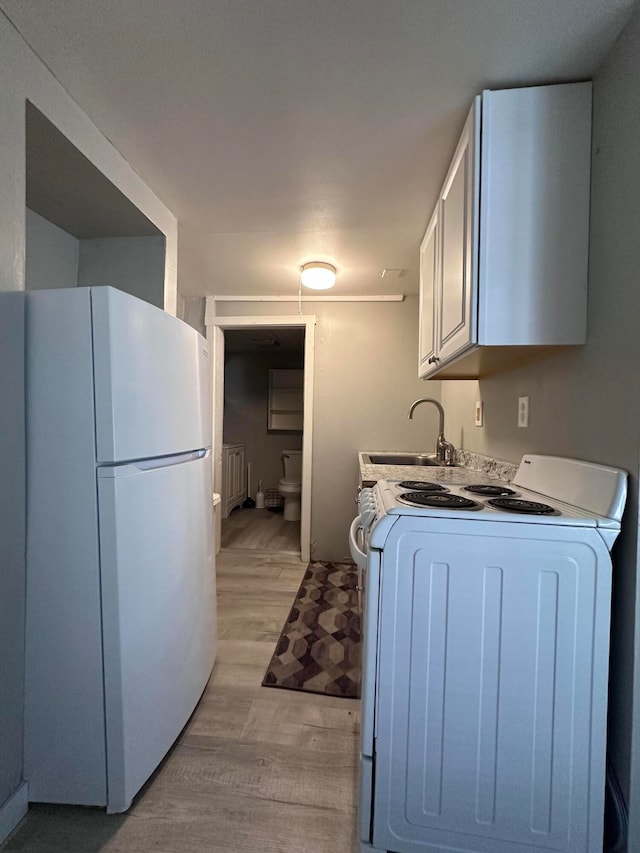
(22,77)
(132,264)
(365,379)
(586,403)
(51,255)
(246,400)
(191,310)
(56,259)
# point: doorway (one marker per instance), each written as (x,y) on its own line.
(251,348)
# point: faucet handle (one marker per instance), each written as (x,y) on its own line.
(445,450)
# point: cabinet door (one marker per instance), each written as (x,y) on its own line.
(457,304)
(236,481)
(240,474)
(429,268)
(227,480)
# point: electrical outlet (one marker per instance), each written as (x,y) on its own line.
(523,411)
(479,413)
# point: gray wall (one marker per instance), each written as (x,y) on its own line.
(191,310)
(365,378)
(132,264)
(246,399)
(12,540)
(22,77)
(51,255)
(56,259)
(586,403)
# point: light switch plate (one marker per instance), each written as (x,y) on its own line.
(479,413)
(523,411)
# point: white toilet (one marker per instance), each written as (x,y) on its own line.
(290,486)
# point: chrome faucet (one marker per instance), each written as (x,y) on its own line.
(444,449)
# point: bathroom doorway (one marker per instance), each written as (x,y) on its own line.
(263,396)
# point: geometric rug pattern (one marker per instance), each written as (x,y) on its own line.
(319,647)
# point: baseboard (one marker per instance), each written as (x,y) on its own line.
(13,810)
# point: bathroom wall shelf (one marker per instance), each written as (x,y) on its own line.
(286,400)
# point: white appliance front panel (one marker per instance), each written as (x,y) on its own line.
(152,380)
(365,793)
(370,620)
(64,750)
(491,706)
(597,488)
(159,612)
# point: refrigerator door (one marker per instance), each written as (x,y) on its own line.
(158,611)
(64,752)
(152,380)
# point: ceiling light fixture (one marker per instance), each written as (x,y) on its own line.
(317,275)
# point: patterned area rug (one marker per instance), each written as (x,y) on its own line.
(319,648)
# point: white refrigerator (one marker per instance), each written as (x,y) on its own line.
(121,613)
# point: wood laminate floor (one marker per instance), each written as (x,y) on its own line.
(259,529)
(256,770)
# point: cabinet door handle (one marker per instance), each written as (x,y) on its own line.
(433,360)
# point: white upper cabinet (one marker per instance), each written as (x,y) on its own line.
(429,258)
(503,264)
(456,318)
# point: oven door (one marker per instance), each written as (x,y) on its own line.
(368,561)
(368,713)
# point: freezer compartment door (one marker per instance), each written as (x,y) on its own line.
(152,380)
(158,610)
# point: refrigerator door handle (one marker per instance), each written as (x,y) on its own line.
(152,464)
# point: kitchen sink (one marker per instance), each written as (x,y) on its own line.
(401,459)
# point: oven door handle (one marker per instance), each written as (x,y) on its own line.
(359,557)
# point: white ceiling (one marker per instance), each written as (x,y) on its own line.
(281,131)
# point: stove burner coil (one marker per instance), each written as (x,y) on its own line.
(489,490)
(422,486)
(440,500)
(522,506)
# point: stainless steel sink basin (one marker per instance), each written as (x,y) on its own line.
(400,459)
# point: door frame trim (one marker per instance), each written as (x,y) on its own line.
(216,327)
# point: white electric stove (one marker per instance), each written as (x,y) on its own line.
(485,659)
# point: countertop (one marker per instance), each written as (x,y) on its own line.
(469,468)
